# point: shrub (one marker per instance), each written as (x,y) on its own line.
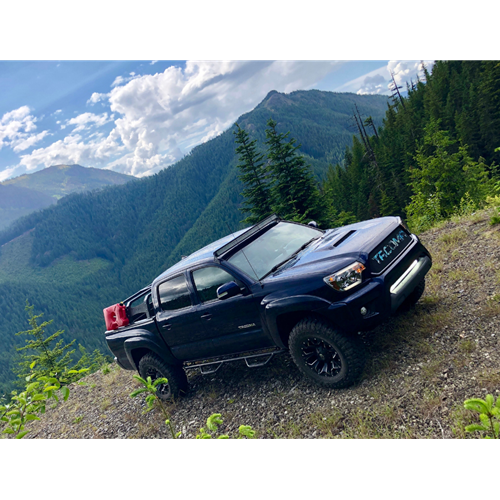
(213,422)
(489,415)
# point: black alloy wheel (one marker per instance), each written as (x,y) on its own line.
(325,355)
(162,390)
(153,366)
(322,357)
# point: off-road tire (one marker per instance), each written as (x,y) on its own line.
(154,367)
(413,298)
(313,333)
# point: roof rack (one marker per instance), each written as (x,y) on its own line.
(246,235)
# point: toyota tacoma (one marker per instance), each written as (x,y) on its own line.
(275,287)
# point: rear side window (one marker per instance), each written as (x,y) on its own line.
(174,294)
(207,280)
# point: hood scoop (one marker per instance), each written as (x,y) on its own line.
(341,238)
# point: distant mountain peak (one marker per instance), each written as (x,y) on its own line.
(21,195)
(274,100)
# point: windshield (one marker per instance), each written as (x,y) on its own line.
(272,248)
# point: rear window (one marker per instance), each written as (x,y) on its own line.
(174,294)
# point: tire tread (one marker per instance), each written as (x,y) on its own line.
(177,379)
(351,348)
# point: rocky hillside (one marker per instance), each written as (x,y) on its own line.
(421,366)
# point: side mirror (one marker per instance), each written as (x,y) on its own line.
(228,290)
(313,223)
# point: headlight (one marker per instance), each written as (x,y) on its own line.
(346,278)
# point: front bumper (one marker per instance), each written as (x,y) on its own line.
(382,295)
(403,287)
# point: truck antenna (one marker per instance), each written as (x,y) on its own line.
(244,255)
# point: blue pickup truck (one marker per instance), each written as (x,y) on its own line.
(275,287)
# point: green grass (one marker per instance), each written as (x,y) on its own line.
(467,346)
(382,422)
(490,379)
(453,237)
(328,424)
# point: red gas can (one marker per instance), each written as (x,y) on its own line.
(115,316)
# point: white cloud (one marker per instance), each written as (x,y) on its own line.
(159,118)
(379,80)
(375,84)
(404,71)
(16,129)
(8,172)
(23,144)
(120,80)
(73,149)
(96,97)
(157,112)
(87,120)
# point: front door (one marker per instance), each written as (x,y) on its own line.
(233,324)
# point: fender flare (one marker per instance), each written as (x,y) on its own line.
(146,340)
(297,303)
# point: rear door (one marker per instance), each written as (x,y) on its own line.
(178,320)
(233,324)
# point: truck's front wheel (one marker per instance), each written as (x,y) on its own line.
(324,355)
(152,366)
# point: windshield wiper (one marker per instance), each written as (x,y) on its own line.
(294,254)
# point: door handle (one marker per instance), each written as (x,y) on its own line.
(166,326)
(206,316)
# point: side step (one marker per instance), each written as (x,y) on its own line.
(252,361)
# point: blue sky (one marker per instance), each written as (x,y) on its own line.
(137,117)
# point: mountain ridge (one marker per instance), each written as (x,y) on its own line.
(21,195)
(103,246)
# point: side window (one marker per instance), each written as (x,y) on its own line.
(174,294)
(208,279)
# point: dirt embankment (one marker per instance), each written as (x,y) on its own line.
(421,366)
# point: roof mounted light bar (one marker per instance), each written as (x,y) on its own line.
(272,219)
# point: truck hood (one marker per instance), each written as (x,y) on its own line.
(338,248)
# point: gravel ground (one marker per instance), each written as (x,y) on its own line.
(421,366)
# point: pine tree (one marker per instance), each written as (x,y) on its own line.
(48,360)
(447,169)
(294,194)
(254,177)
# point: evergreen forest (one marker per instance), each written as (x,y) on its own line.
(430,150)
(436,147)
(94,249)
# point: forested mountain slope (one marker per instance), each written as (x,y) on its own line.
(24,194)
(18,201)
(447,121)
(96,248)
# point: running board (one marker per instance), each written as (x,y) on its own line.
(207,371)
(259,363)
(251,360)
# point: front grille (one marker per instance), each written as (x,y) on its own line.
(389,250)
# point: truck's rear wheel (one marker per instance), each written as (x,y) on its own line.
(152,366)
(324,355)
